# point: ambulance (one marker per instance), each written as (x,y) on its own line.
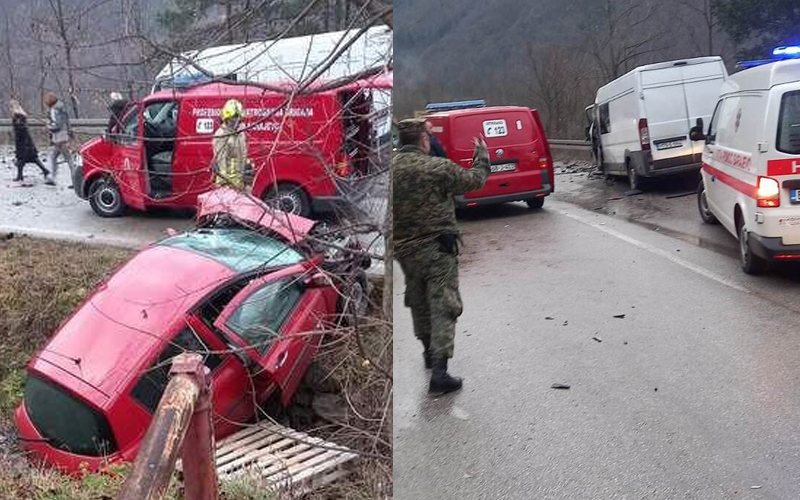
(751,160)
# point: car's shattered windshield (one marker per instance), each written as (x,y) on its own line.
(240,249)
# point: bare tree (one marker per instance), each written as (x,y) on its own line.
(701,24)
(561,84)
(624,35)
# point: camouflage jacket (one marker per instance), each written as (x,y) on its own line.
(424,187)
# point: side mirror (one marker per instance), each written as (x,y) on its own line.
(696,132)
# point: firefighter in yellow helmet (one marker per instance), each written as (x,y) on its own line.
(230,148)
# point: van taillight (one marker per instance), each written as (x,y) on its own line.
(543,162)
(769,193)
(644,134)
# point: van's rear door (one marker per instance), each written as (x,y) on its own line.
(701,84)
(667,115)
(515,145)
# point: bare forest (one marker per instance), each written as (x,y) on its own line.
(84,49)
(548,55)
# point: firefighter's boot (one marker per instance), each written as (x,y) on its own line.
(441,381)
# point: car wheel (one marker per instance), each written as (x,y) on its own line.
(534,203)
(289,198)
(634,179)
(751,263)
(105,197)
(702,205)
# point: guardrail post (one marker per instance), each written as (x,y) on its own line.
(199,465)
(186,402)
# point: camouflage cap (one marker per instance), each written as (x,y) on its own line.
(411,125)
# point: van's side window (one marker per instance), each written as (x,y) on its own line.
(712,127)
(789,124)
(130,127)
(605,119)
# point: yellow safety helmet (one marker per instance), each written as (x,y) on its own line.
(232,109)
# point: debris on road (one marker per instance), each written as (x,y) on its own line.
(559,386)
(597,339)
(566,323)
(633,192)
(548,318)
(619,316)
(17,203)
(615,198)
(681,195)
(757,487)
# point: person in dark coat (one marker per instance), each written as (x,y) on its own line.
(117,107)
(436,147)
(23,143)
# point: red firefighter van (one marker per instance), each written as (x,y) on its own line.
(522,166)
(303,153)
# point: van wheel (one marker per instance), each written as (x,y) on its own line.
(288,197)
(534,203)
(105,197)
(634,179)
(751,263)
(702,205)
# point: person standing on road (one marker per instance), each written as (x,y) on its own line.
(24,149)
(436,146)
(230,148)
(116,108)
(426,240)
(58,125)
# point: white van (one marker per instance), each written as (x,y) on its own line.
(751,163)
(645,116)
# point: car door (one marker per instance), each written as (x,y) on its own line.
(127,160)
(277,321)
(710,166)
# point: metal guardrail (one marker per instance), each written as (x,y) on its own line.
(569,144)
(83,127)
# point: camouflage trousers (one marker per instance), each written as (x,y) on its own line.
(433,297)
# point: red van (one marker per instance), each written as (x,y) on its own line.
(303,153)
(522,166)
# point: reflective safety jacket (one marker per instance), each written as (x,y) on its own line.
(230,157)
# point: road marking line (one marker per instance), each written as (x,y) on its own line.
(663,253)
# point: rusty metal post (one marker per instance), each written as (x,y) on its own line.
(199,464)
(159,450)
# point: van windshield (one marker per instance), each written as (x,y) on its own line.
(506,128)
(789,124)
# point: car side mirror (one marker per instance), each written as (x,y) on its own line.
(696,132)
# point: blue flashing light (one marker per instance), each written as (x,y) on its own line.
(786,51)
(443,106)
(753,64)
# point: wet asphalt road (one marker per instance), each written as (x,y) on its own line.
(57,212)
(692,395)
(38,210)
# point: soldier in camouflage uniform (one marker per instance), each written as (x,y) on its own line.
(426,240)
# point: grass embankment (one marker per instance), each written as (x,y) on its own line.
(42,281)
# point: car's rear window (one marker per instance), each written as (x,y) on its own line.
(239,249)
(506,128)
(65,421)
(789,124)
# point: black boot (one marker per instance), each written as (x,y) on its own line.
(426,354)
(441,381)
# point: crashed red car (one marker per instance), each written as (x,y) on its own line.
(249,288)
